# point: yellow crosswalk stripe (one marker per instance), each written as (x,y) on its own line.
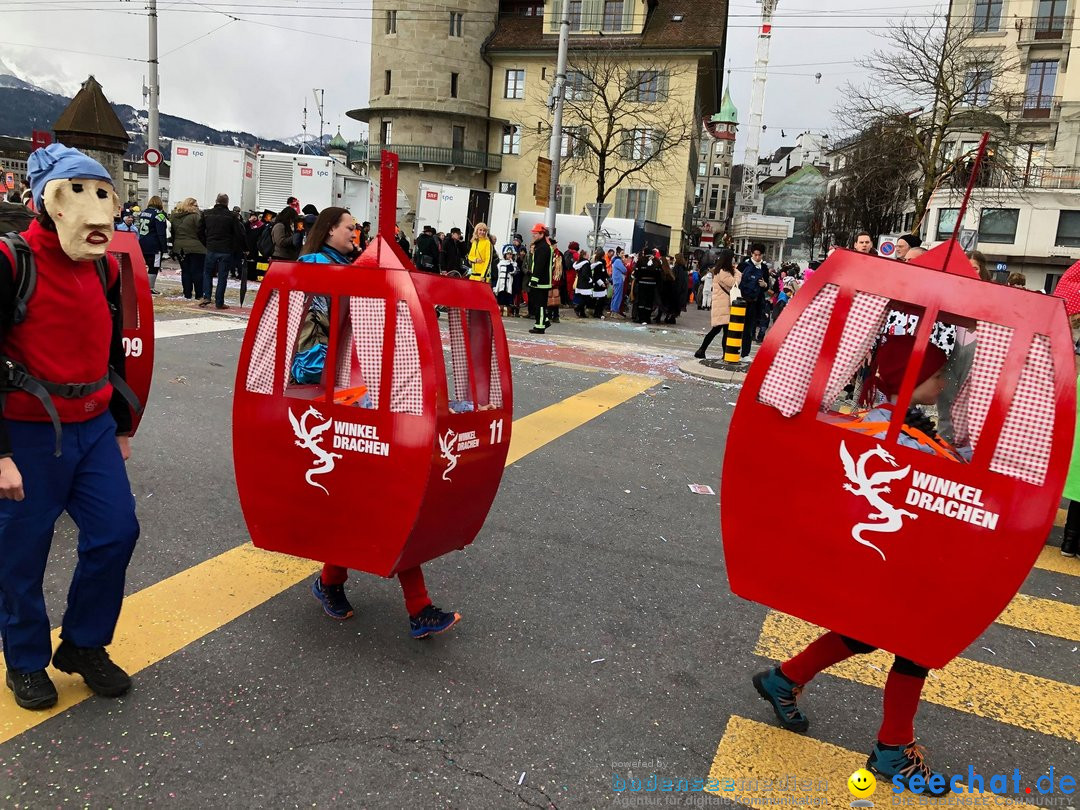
(777,767)
(1050,559)
(1040,615)
(169,615)
(1015,698)
(164,618)
(537,429)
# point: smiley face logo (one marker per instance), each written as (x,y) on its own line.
(862,784)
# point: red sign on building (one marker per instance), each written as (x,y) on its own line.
(182,150)
(307,172)
(40,139)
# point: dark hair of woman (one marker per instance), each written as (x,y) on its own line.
(288,217)
(44,219)
(724,261)
(984,270)
(320,231)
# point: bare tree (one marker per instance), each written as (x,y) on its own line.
(619,123)
(934,83)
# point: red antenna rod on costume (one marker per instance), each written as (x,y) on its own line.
(388,182)
(983,142)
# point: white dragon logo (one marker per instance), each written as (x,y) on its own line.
(446,444)
(310,438)
(872,488)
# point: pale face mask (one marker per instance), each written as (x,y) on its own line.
(83,211)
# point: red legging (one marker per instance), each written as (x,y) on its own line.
(412,584)
(903,687)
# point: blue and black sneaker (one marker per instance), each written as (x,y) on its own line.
(887,762)
(333,599)
(783,695)
(431,621)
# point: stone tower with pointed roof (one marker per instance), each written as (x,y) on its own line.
(90,125)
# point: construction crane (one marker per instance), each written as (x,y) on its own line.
(750,202)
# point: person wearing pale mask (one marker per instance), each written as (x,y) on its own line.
(64,431)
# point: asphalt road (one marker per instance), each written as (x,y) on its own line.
(598,632)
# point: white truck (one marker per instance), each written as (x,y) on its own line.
(321,181)
(444,207)
(202,171)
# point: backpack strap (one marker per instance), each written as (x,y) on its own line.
(25,274)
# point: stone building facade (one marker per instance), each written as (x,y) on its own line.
(429,93)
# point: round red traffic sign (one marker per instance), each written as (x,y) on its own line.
(152,157)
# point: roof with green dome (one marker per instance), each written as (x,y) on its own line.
(728,114)
(337,142)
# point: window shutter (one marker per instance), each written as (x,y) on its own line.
(663,86)
(628,14)
(620,203)
(627,145)
(652,201)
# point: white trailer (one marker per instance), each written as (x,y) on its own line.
(202,171)
(444,207)
(320,181)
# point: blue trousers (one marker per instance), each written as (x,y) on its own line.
(220,264)
(90,482)
(616,296)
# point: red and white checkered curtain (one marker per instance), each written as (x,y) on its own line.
(973,401)
(864,324)
(1023,449)
(406,387)
(458,357)
(368,322)
(260,373)
(297,310)
(788,379)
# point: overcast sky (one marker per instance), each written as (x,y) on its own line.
(256,72)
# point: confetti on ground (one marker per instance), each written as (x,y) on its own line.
(521,779)
(701,489)
(989,651)
(597,660)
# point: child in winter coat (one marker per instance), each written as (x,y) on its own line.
(599,277)
(582,285)
(504,280)
(707,291)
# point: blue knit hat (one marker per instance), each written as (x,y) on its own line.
(59,162)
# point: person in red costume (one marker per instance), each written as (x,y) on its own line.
(64,431)
(895,753)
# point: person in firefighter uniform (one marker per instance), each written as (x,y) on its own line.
(64,431)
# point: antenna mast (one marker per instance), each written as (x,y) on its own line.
(750,202)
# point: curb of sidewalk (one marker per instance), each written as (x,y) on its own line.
(718,373)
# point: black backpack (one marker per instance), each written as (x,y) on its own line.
(15,376)
(14,217)
(265,244)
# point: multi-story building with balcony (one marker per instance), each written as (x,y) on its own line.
(429,93)
(670,52)
(462,94)
(1026,207)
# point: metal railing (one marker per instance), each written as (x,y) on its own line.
(430,155)
(1033,177)
(1032,106)
(1049,26)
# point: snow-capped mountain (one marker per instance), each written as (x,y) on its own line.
(25,107)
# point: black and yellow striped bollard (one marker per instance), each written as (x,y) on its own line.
(735,330)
